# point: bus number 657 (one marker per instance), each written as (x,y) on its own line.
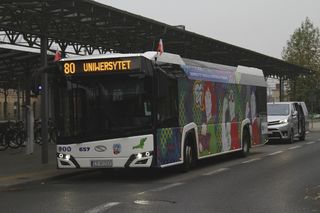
(84,149)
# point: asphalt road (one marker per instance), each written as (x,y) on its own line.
(273,178)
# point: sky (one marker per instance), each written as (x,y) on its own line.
(263,26)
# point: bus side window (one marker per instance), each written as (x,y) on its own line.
(167,101)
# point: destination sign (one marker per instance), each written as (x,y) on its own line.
(100,66)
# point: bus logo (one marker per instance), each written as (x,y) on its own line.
(141,144)
(100,148)
(116,148)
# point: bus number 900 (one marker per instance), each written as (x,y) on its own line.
(69,68)
(64,149)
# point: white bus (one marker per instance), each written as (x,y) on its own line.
(152,110)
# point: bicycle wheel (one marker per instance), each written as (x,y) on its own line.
(15,141)
(3,143)
(53,136)
(22,138)
(37,137)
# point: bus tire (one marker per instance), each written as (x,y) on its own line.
(189,158)
(245,143)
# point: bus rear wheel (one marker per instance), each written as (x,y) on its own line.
(245,143)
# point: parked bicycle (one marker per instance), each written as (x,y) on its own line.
(3,143)
(52,132)
(15,135)
(12,135)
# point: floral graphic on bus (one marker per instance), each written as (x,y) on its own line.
(225,125)
(235,140)
(218,110)
(255,122)
(168,147)
(198,94)
(207,137)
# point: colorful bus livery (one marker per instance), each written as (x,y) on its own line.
(158,111)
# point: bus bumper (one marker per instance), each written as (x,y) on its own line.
(140,160)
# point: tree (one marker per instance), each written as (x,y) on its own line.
(303,49)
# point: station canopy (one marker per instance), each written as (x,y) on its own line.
(82,27)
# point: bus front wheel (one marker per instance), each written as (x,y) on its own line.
(188,156)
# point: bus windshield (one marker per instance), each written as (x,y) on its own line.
(105,105)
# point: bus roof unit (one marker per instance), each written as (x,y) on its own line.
(194,69)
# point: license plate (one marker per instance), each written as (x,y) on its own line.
(101,163)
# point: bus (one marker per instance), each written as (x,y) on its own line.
(156,110)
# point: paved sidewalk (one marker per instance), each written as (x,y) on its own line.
(16,167)
(314,126)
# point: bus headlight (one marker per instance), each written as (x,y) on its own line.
(139,155)
(63,156)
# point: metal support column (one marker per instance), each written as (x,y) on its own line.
(294,89)
(5,104)
(280,89)
(27,112)
(18,102)
(44,99)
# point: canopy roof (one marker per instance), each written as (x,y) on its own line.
(87,27)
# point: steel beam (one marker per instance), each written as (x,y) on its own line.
(44,100)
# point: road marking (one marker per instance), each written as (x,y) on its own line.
(166,187)
(275,153)
(161,188)
(142,202)
(102,207)
(215,171)
(147,202)
(294,147)
(311,142)
(251,160)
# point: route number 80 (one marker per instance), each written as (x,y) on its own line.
(69,68)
